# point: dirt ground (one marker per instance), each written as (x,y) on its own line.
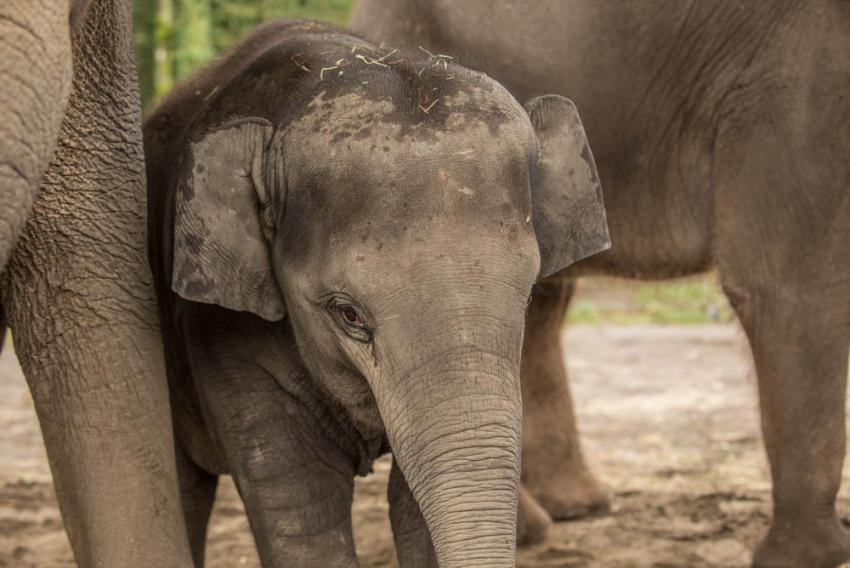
(668,419)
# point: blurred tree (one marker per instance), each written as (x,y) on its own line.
(193,39)
(175,37)
(143,20)
(163,68)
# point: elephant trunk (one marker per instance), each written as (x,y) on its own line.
(455,429)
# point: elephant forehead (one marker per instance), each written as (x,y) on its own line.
(438,117)
(359,149)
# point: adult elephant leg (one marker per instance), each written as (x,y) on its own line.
(80,301)
(553,466)
(782,245)
(35,70)
(800,350)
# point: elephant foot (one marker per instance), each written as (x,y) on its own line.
(801,541)
(533,521)
(571,495)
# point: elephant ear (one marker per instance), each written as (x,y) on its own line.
(223,223)
(567,208)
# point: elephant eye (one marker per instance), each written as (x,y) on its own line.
(353,322)
(351,316)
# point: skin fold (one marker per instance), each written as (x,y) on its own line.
(344,238)
(76,286)
(722,130)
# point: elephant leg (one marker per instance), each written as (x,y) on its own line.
(413,545)
(553,467)
(799,339)
(35,64)
(801,359)
(297,488)
(782,246)
(197,493)
(296,482)
(80,301)
(533,521)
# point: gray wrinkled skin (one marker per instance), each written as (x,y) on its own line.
(309,173)
(722,133)
(76,288)
(36,57)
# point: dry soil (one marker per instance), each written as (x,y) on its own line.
(669,422)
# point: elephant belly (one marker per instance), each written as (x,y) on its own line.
(660,207)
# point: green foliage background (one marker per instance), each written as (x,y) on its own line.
(175,37)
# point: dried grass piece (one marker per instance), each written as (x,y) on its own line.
(299,64)
(429,107)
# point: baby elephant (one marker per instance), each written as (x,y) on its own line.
(344,238)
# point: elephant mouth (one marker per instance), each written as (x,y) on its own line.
(368,452)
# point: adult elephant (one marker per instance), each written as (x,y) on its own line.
(76,288)
(722,133)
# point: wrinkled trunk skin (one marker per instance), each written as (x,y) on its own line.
(80,301)
(35,71)
(454,422)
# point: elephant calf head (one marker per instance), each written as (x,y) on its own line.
(397,208)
